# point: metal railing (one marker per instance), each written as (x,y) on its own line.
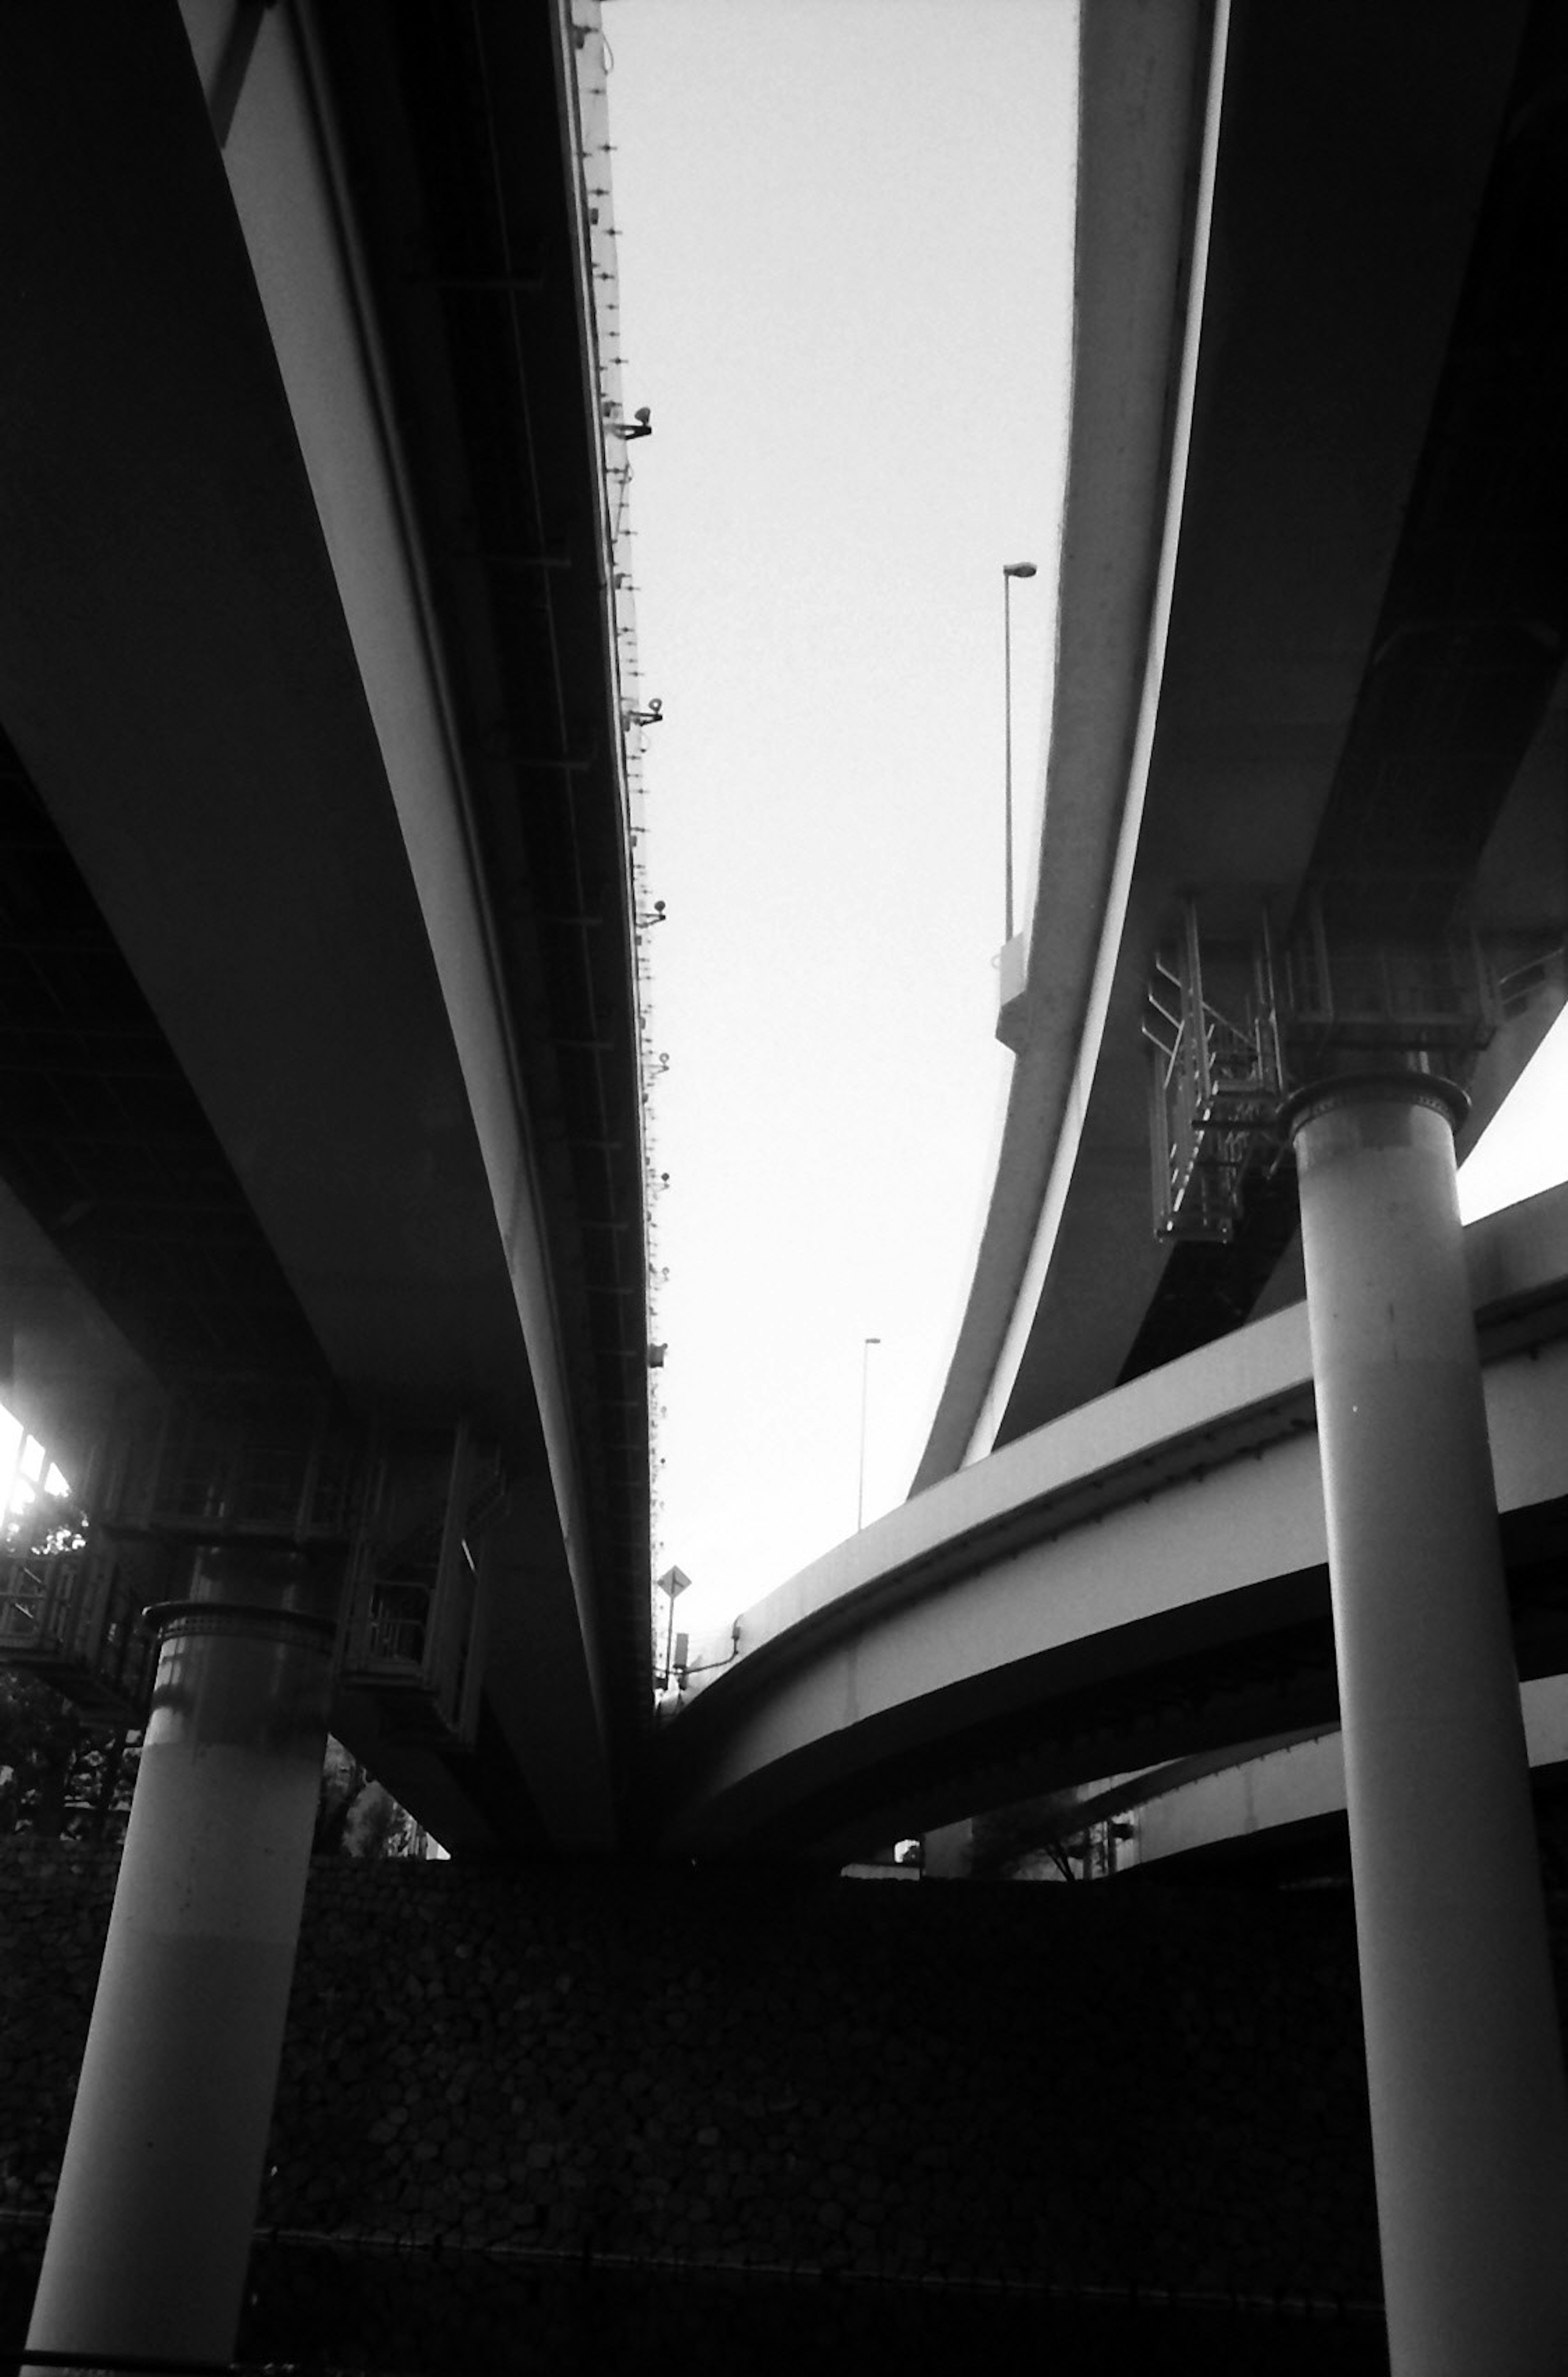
(407,1514)
(1232,1031)
(72,1617)
(1215,1087)
(414,1605)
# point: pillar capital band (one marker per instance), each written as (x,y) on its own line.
(296,1628)
(1390,1084)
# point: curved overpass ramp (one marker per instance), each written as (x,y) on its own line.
(1275,1808)
(1307,633)
(1142,1580)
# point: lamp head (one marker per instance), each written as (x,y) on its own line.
(1019,569)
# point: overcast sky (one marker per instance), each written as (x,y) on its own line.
(844,276)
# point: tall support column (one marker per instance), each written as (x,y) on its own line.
(151,2232)
(1464,2059)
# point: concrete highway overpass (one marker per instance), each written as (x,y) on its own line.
(1312,612)
(324,1056)
(323,1051)
(324,1068)
(1275,1811)
(1142,1581)
(1309,648)
(323,1082)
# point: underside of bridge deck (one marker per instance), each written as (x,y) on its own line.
(1349,677)
(245,1141)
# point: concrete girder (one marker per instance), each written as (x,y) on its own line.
(1178,1519)
(1246,1812)
(215,664)
(1324,315)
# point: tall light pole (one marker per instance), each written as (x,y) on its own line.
(1011,571)
(864,1367)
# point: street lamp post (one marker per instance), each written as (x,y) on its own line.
(1011,571)
(864,1365)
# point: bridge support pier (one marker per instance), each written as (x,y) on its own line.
(151,2233)
(1464,2058)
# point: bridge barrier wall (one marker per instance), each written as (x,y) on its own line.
(1075,2087)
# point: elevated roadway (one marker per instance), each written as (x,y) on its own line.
(324,1070)
(1277,1809)
(320,1037)
(1142,1580)
(1311,610)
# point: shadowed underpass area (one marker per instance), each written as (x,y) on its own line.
(326,1251)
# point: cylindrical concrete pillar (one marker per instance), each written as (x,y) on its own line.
(151,2231)
(1464,2058)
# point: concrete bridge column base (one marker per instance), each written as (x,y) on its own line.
(1464,2059)
(147,2252)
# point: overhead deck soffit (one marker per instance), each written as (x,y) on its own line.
(1365,620)
(458,143)
(193,733)
(1144,81)
(104,1144)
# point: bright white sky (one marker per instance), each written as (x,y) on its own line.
(845,285)
(844,289)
